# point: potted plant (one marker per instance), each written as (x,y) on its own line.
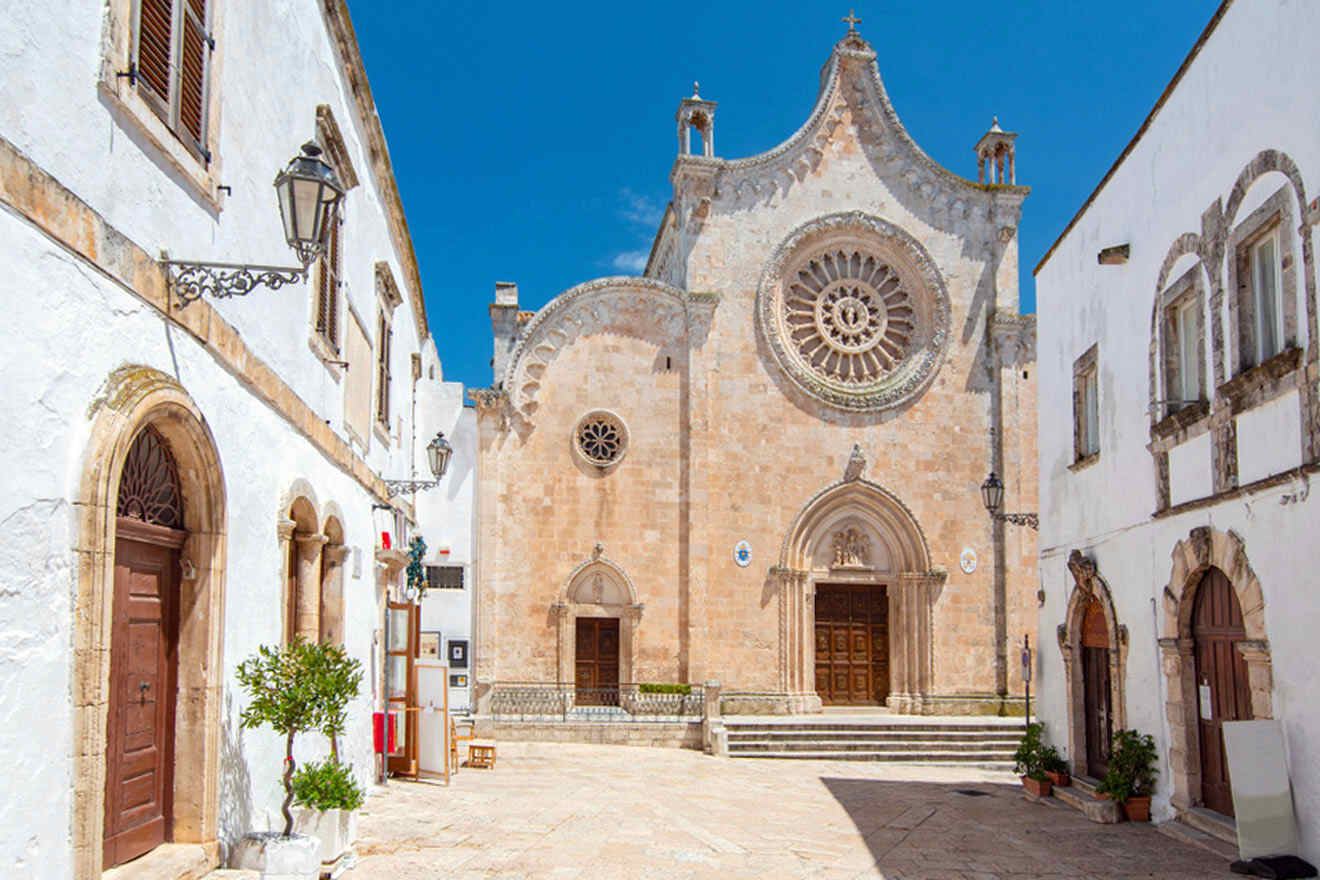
(283,694)
(1055,767)
(1028,763)
(1131,775)
(326,793)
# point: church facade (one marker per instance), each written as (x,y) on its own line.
(759,462)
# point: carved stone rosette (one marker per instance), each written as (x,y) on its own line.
(855,312)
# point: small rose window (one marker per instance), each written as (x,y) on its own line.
(601,438)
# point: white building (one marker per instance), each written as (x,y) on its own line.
(1180,425)
(197,479)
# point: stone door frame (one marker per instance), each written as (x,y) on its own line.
(1207,547)
(913,586)
(573,602)
(1088,585)
(133,397)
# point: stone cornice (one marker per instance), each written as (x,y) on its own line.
(378,154)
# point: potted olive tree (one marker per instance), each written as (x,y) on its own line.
(283,694)
(1131,775)
(1029,761)
(327,795)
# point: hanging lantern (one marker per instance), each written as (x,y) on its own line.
(438,451)
(309,193)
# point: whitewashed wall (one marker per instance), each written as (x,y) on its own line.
(68,326)
(447,515)
(1251,88)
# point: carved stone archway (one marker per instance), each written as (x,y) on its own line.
(1207,547)
(598,587)
(1088,585)
(821,546)
(133,398)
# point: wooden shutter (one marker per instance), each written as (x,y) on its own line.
(155,37)
(194,58)
(383,373)
(327,294)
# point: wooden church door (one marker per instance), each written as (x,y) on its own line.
(596,662)
(139,781)
(1096,689)
(1222,692)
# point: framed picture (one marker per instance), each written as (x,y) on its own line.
(429,646)
(458,681)
(458,653)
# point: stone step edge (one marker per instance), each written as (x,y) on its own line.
(993,757)
(1185,833)
(1203,820)
(826,746)
(1100,811)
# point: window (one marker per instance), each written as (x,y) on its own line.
(171,59)
(1264,279)
(384,337)
(1183,346)
(444,577)
(329,280)
(1086,406)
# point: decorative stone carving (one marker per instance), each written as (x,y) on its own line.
(856,464)
(1083,570)
(852,549)
(855,312)
(601,438)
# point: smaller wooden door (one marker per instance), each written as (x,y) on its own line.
(1096,689)
(143,660)
(596,662)
(401,649)
(1222,691)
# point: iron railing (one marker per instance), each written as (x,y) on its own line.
(548,701)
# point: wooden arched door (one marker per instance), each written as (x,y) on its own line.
(1222,691)
(1096,690)
(139,780)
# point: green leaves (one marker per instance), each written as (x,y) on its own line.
(301,687)
(416,572)
(1029,757)
(1132,769)
(327,785)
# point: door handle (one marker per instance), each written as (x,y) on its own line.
(143,687)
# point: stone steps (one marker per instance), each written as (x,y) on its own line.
(1179,830)
(989,745)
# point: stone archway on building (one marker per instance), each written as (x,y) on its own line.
(138,399)
(598,591)
(301,545)
(858,539)
(1208,551)
(1094,646)
(333,555)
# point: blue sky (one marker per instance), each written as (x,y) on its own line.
(533,141)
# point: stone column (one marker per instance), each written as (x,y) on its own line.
(284,529)
(714,736)
(332,594)
(1178,660)
(307,611)
(1260,676)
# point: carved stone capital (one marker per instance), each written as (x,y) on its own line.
(309,543)
(491,403)
(634,612)
(335,554)
(284,528)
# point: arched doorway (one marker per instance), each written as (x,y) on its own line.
(1216,658)
(120,499)
(856,589)
(1094,648)
(1223,692)
(144,655)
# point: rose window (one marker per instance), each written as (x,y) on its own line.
(854,312)
(601,438)
(848,317)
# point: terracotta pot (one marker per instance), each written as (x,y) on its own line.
(1061,780)
(1038,787)
(1137,809)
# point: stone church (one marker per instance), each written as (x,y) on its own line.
(759,462)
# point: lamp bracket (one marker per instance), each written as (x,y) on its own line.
(190,279)
(1031,520)
(398,487)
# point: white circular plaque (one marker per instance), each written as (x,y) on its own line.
(967,560)
(742,554)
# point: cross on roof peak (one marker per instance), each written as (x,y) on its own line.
(852,21)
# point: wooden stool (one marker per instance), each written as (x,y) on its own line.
(481,754)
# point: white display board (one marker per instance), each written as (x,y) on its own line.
(1262,796)
(433,718)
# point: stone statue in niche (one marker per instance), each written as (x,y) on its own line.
(852,549)
(597,589)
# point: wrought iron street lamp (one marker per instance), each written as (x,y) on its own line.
(438,453)
(992,495)
(308,192)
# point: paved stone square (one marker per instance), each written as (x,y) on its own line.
(601,812)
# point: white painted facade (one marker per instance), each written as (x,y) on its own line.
(1245,90)
(72,320)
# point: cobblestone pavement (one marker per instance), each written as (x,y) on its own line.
(602,812)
